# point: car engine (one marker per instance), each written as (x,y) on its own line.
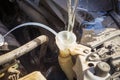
(59,39)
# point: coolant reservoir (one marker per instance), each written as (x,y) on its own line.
(65,40)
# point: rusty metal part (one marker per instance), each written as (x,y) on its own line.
(15,74)
(105,36)
(33,76)
(23,49)
(8,66)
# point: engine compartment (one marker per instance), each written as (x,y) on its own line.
(95,57)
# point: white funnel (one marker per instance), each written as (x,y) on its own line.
(65,40)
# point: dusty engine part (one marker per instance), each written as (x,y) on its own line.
(10,41)
(33,76)
(84,69)
(15,74)
(37,17)
(81,65)
(113,46)
(107,48)
(89,75)
(110,49)
(116,64)
(103,47)
(102,69)
(22,50)
(116,17)
(105,36)
(12,70)
(114,76)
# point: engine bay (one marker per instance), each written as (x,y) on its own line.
(59,40)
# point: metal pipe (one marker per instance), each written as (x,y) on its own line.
(23,49)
